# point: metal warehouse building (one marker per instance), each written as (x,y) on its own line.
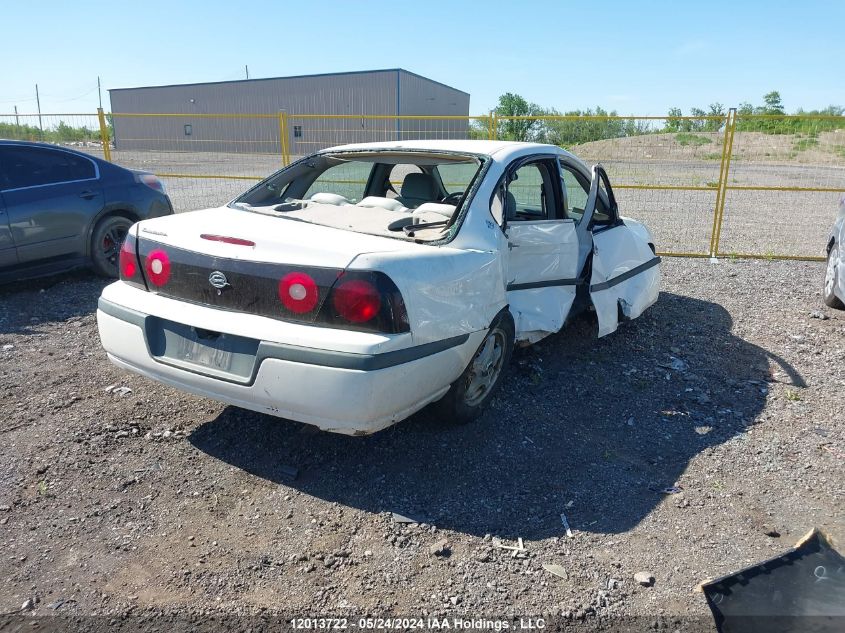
(311,111)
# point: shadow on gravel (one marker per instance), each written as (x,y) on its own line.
(26,305)
(607,423)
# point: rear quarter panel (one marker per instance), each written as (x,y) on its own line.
(447,291)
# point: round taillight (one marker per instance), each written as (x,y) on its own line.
(128,263)
(298,292)
(357,301)
(158,267)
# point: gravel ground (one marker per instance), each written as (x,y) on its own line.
(153,501)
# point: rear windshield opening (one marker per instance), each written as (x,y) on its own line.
(408,195)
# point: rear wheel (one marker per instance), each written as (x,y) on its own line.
(472,391)
(106,242)
(831,279)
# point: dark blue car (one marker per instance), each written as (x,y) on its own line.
(60,208)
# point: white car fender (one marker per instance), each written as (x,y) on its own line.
(447,292)
(639,229)
(625,276)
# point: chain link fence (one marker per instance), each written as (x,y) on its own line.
(739,185)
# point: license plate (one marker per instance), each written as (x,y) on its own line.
(215,356)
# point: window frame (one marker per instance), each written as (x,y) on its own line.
(3,188)
(602,203)
(518,163)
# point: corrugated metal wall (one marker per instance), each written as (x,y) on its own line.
(368,93)
(418,95)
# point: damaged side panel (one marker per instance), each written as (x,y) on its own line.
(542,267)
(448,292)
(625,277)
(541,311)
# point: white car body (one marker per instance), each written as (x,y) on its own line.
(358,382)
(834,280)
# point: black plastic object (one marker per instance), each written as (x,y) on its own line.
(800,591)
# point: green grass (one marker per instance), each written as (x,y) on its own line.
(804,144)
(62,133)
(684,138)
(712,156)
(792,395)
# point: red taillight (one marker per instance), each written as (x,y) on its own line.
(151,180)
(158,267)
(128,261)
(357,300)
(298,292)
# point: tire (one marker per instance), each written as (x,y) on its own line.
(106,241)
(831,279)
(470,394)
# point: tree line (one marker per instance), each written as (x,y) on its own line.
(62,133)
(599,124)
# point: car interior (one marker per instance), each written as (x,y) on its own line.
(406,195)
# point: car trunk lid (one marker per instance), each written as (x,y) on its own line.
(249,262)
(275,239)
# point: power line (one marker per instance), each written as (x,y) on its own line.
(75,98)
(51,97)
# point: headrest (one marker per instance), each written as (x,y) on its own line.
(419,186)
(381,203)
(329,198)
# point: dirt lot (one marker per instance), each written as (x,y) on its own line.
(729,388)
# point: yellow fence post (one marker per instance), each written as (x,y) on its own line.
(720,184)
(494,120)
(283,138)
(104,134)
(727,152)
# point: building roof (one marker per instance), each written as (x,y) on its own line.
(240,81)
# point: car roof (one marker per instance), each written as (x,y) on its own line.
(9,141)
(4,141)
(501,150)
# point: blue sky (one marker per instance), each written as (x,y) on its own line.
(638,58)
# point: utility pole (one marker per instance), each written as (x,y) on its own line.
(99,92)
(246,68)
(38,101)
(17,122)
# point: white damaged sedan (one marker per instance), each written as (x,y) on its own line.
(834,276)
(357,285)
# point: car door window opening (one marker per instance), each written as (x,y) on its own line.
(529,191)
(577,187)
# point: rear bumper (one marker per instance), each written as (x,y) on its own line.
(338,391)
